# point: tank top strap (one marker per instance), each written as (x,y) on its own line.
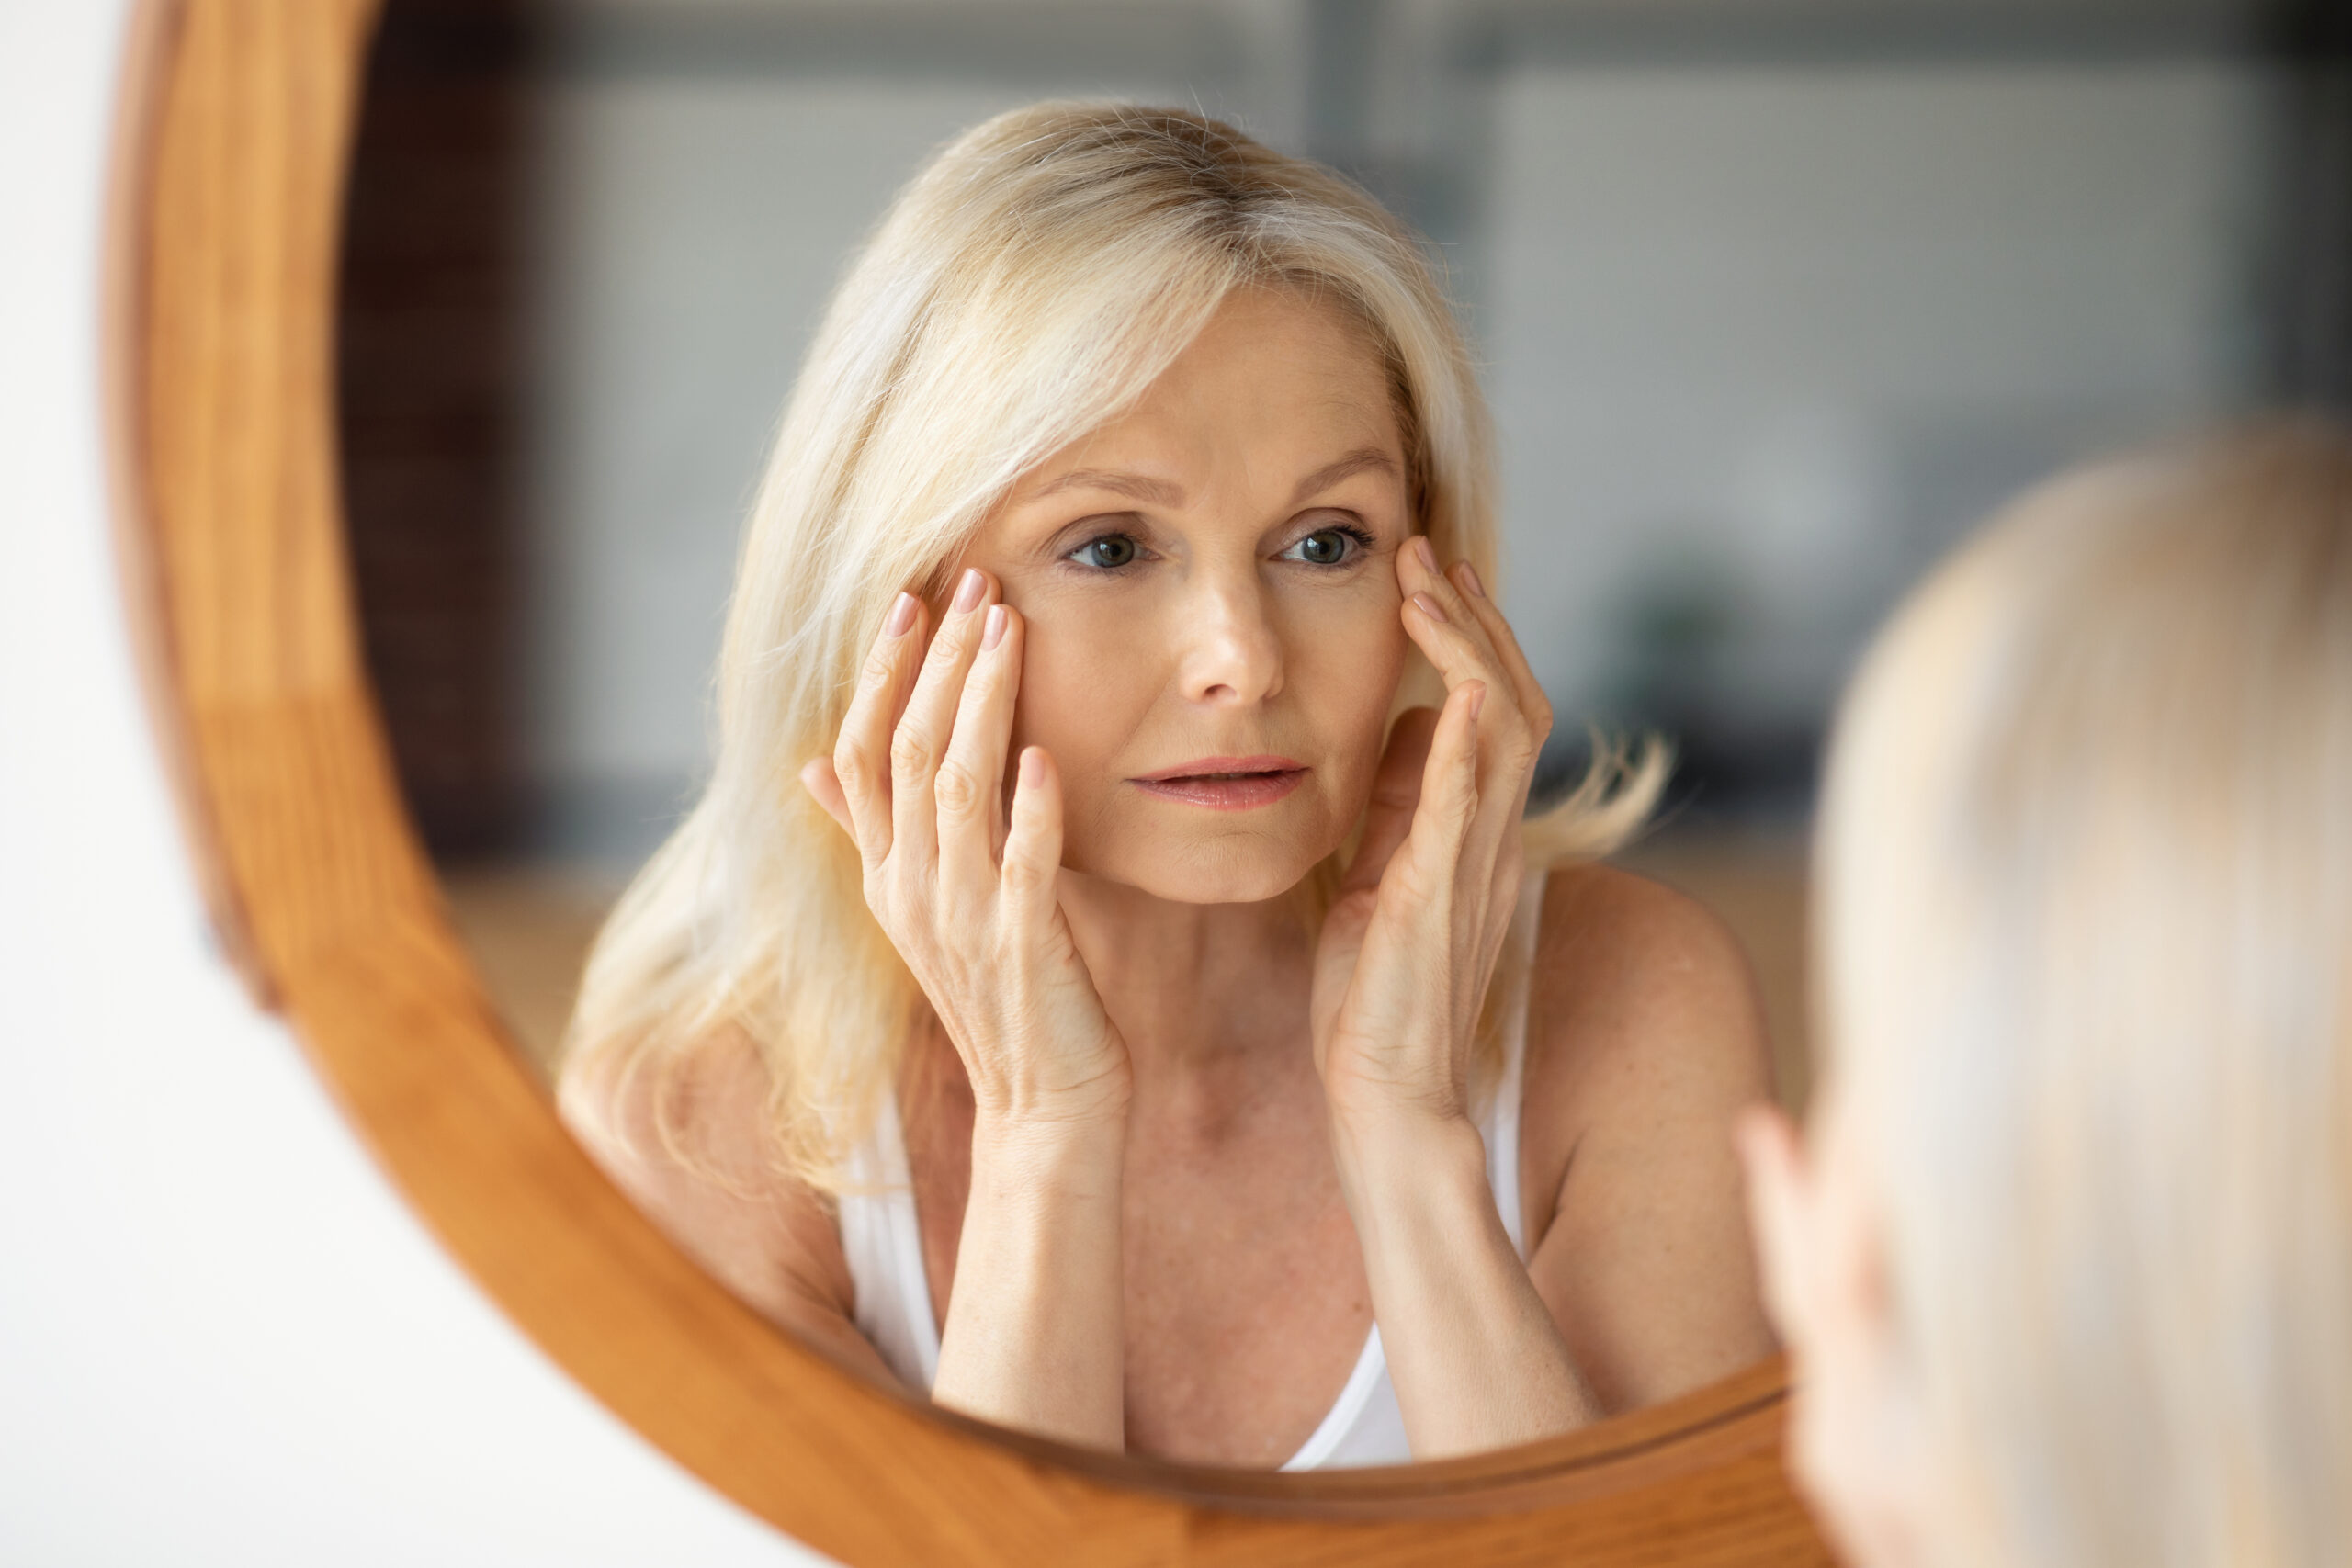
(1499,1126)
(882,1242)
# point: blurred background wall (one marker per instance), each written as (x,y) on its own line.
(1775,299)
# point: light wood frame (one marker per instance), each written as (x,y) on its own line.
(232,144)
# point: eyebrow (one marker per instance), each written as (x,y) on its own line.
(1363,459)
(1137,486)
(1159,493)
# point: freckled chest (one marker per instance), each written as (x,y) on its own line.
(1245,1303)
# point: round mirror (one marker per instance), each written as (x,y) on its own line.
(454,362)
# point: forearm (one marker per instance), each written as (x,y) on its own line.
(1035,1337)
(1476,1359)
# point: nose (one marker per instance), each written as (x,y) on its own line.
(1230,649)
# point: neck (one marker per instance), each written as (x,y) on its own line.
(1209,997)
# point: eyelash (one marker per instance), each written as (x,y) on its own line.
(1362,538)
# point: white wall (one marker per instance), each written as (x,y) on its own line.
(1803,323)
(222,1338)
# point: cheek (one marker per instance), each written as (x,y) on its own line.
(1082,690)
(1346,667)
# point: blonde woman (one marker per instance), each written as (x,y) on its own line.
(1080,996)
(2066,1269)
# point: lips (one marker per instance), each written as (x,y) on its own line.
(1226,784)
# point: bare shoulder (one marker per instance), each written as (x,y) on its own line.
(710,1185)
(1644,1038)
(1639,992)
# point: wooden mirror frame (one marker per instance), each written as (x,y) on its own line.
(233,137)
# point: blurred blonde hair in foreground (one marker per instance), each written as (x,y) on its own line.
(2085,879)
(1028,284)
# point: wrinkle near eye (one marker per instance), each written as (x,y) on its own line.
(1079,532)
(1361,541)
(1104,542)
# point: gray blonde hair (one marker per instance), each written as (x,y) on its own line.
(2086,881)
(1024,288)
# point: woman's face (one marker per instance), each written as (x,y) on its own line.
(1210,588)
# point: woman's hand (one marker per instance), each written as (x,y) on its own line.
(1034,1336)
(1411,941)
(967,896)
(1400,972)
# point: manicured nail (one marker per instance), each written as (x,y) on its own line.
(1429,607)
(902,616)
(1032,767)
(993,632)
(968,591)
(1470,582)
(1423,554)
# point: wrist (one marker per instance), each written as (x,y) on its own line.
(1037,1146)
(1410,1156)
(1074,1101)
(1404,1132)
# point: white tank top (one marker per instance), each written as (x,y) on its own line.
(883,1246)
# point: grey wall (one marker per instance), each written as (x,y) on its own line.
(1764,339)
(1762,334)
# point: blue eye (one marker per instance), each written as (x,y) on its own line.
(1329,546)
(1109,552)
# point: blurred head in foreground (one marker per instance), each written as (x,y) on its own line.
(2065,1264)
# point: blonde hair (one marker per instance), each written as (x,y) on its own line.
(2086,946)
(1024,288)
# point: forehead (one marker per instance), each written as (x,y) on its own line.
(1275,380)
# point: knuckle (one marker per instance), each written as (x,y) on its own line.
(956,790)
(911,755)
(945,650)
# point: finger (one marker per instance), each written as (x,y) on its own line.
(1526,690)
(1032,841)
(920,743)
(1442,626)
(1396,790)
(862,749)
(1508,747)
(969,787)
(1442,623)
(1440,599)
(1449,802)
(824,786)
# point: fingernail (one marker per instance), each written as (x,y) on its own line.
(993,632)
(1477,701)
(1423,554)
(902,616)
(1033,769)
(968,591)
(1429,607)
(1470,581)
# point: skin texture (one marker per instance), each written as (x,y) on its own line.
(1171,1155)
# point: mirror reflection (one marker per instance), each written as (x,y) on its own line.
(956,560)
